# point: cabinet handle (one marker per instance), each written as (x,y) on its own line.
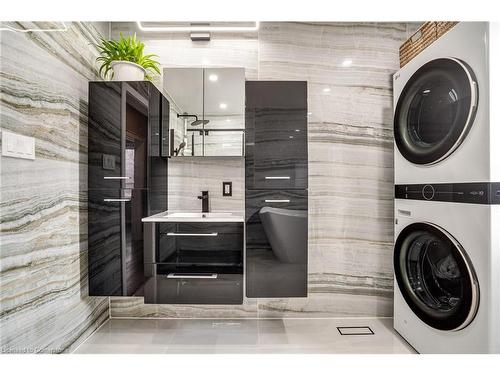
(277,177)
(117,178)
(191,276)
(214,234)
(116,199)
(277,200)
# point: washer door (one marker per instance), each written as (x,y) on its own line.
(436,277)
(435,111)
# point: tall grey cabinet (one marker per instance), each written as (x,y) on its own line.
(276,176)
(127,180)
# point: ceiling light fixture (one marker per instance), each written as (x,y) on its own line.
(174,29)
(213,77)
(222,105)
(326,89)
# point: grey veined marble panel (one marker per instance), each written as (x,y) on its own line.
(44,304)
(349,71)
(187,177)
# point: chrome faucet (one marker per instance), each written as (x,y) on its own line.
(204,201)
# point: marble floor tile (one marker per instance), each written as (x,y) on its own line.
(243,336)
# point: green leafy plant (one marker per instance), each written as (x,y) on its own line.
(126,49)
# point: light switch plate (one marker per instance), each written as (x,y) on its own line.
(18,146)
(227,189)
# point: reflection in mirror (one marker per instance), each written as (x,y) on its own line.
(207,110)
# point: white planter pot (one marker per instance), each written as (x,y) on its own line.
(127,71)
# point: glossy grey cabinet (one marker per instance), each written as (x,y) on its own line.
(276,180)
(276,135)
(127,180)
(193,263)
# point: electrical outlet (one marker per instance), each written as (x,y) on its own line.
(227,189)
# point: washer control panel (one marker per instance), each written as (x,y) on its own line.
(475,192)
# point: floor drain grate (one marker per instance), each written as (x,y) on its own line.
(355,331)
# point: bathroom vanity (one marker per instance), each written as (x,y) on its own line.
(194,258)
(139,248)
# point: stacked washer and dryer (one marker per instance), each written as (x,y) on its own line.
(447,206)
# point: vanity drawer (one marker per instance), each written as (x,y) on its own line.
(195,288)
(200,244)
(289,199)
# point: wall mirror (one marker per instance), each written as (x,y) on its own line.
(207,111)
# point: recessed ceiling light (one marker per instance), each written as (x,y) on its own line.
(291,137)
(297,130)
(213,77)
(326,89)
(347,62)
(222,105)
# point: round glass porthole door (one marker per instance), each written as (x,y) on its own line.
(435,111)
(435,277)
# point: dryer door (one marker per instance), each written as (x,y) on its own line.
(436,277)
(435,110)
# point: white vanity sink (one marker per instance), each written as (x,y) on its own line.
(196,216)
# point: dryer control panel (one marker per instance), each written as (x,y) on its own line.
(475,192)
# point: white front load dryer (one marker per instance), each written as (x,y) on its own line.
(443,126)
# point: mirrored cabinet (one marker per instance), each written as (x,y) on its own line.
(207,111)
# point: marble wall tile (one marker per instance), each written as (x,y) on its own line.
(349,71)
(188,177)
(44,299)
(134,307)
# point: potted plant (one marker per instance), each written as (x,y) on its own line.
(124,59)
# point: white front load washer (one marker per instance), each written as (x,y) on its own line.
(447,268)
(442,126)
